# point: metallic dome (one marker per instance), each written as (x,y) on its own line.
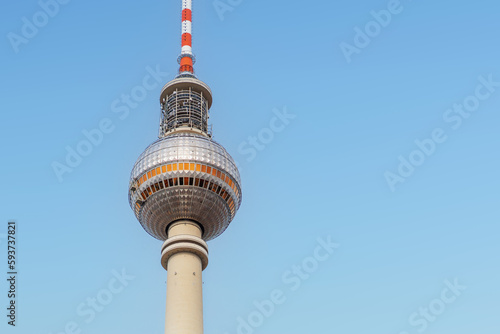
(185,176)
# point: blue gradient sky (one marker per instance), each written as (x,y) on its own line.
(322,175)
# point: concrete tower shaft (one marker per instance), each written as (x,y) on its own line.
(184,256)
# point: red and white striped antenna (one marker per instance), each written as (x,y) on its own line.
(186,59)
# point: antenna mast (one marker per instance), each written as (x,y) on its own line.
(186,58)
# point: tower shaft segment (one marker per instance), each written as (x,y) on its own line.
(184,256)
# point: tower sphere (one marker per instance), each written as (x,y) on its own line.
(185,175)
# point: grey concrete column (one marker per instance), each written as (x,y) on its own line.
(184,256)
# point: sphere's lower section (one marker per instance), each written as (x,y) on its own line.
(200,205)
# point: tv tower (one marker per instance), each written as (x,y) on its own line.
(185,188)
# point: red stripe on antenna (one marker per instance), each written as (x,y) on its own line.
(187,15)
(186,39)
(186,65)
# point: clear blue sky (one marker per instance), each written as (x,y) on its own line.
(366,101)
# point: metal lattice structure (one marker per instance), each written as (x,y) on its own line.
(185,104)
(184,108)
